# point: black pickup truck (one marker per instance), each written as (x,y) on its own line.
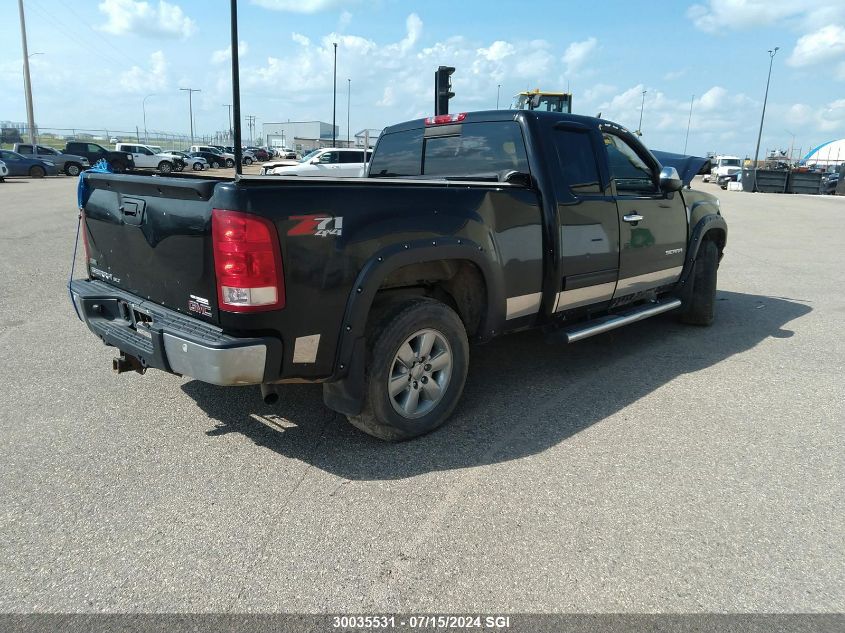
(118,161)
(468,226)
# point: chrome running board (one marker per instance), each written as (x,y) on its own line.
(613,321)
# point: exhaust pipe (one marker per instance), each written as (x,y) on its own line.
(269,394)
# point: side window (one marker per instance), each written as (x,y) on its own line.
(631,173)
(145,151)
(398,154)
(369,156)
(352,157)
(578,172)
(95,149)
(46,150)
(329,157)
(25,149)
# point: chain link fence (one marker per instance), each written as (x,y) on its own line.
(58,137)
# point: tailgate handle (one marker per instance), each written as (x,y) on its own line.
(132,210)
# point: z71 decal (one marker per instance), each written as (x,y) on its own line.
(319,225)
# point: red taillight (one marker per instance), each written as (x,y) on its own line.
(443,119)
(247,262)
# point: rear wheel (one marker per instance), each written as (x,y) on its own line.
(247,161)
(73,169)
(416,370)
(165,167)
(197,166)
(699,307)
(215,164)
(36,171)
(230,162)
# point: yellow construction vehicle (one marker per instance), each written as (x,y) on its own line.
(546,101)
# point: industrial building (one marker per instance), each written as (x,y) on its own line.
(304,136)
(826,154)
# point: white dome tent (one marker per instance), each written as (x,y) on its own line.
(826,154)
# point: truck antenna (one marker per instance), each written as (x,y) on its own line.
(236,91)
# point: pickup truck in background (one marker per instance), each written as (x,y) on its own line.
(70,164)
(146,157)
(118,161)
(467,227)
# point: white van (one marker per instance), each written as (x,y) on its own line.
(723,166)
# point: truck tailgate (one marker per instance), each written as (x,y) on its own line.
(151,236)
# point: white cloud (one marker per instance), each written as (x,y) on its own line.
(138,80)
(225,54)
(302,6)
(672,75)
(388,98)
(820,46)
(577,53)
(143,18)
(717,15)
(497,51)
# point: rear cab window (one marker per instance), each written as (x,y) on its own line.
(483,149)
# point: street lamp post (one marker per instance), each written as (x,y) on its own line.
(334,99)
(772,54)
(689,121)
(498,91)
(144,109)
(229,105)
(348,107)
(642,107)
(30,114)
(191,92)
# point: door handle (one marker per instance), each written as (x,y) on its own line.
(632,217)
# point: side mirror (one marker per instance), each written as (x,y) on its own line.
(519,178)
(670,180)
(315,161)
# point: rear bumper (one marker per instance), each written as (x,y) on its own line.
(176,343)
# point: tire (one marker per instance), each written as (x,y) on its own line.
(230,162)
(699,307)
(36,171)
(247,161)
(73,169)
(197,166)
(215,165)
(165,167)
(405,328)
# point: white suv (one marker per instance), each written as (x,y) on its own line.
(336,162)
(146,157)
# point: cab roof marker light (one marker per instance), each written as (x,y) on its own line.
(444,119)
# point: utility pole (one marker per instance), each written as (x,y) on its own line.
(334,99)
(348,104)
(772,54)
(691,101)
(250,122)
(30,114)
(642,107)
(229,105)
(191,92)
(144,109)
(498,90)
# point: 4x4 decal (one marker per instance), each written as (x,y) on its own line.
(319,225)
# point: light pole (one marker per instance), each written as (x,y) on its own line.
(144,109)
(642,107)
(229,105)
(191,92)
(691,101)
(27,83)
(334,99)
(791,146)
(498,90)
(348,106)
(772,54)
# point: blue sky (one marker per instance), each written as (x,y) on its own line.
(101,58)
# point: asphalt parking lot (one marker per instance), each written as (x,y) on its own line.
(660,467)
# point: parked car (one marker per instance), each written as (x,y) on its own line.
(214,161)
(20,165)
(146,157)
(118,161)
(829,183)
(332,162)
(69,164)
(226,159)
(195,163)
(4,171)
(259,153)
(468,226)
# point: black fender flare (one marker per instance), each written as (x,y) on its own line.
(344,391)
(708,223)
